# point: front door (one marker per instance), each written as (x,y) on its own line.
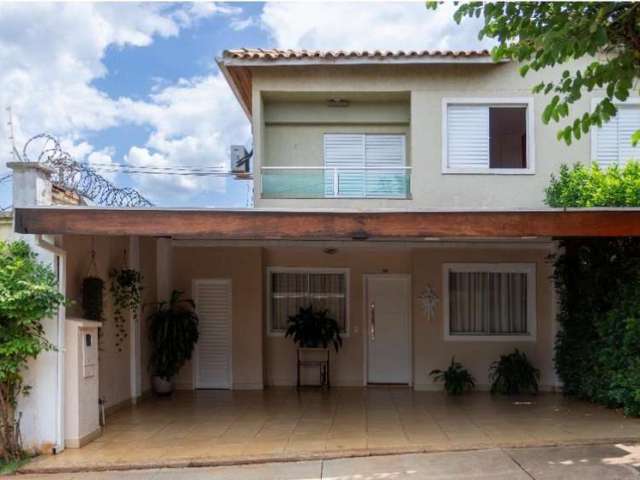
(388,304)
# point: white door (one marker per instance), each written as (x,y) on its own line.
(213,350)
(388,303)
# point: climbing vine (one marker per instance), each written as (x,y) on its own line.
(126,294)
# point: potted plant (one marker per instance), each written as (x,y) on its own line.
(314,329)
(173,332)
(456,378)
(513,374)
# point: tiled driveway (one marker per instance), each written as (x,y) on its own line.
(218,427)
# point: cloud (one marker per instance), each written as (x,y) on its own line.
(51,54)
(367,25)
(194,121)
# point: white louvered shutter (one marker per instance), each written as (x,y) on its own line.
(385,152)
(213,305)
(613,143)
(467,136)
(346,154)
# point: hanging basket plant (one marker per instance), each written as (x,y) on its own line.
(92,289)
(126,293)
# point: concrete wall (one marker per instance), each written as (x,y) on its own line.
(427,85)
(244,267)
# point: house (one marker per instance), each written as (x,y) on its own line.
(403,191)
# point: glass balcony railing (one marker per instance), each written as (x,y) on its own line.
(327,182)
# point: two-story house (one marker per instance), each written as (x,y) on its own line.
(402,191)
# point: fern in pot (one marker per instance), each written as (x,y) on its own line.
(173,332)
(311,328)
(457,379)
(513,374)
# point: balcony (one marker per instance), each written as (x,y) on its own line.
(329,182)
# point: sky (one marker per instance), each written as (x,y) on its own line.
(137,83)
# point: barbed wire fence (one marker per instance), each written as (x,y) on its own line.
(78,177)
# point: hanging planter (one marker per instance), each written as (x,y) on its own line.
(126,288)
(92,288)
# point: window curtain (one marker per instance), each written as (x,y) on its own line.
(488,303)
(292,290)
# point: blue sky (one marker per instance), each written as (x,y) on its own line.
(137,84)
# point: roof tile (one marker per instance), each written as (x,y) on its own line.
(278,54)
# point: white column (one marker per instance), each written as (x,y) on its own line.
(135,350)
(42,410)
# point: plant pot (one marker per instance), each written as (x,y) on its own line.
(162,386)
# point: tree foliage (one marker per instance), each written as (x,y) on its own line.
(28,293)
(591,186)
(545,34)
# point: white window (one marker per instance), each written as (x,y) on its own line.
(611,144)
(289,289)
(488,136)
(484,301)
(365,165)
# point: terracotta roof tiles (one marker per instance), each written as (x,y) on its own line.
(287,54)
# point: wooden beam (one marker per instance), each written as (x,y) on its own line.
(323,225)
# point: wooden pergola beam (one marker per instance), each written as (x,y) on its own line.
(255,224)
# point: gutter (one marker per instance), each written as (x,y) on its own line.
(61,269)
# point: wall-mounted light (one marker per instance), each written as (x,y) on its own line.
(337,102)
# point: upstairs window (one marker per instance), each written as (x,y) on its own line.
(487,137)
(612,142)
(365,165)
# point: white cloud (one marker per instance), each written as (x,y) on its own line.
(50,54)
(194,122)
(367,25)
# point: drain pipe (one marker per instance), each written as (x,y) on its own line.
(60,256)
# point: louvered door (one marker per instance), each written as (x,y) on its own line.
(362,165)
(213,351)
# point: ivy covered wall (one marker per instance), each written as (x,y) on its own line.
(598,284)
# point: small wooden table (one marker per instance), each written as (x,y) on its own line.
(315,357)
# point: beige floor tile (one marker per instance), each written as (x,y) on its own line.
(278,421)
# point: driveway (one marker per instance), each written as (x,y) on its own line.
(600,462)
(216,428)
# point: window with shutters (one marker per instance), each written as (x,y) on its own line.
(289,289)
(611,143)
(489,301)
(488,136)
(365,166)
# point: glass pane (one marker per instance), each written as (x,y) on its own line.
(288,294)
(488,303)
(508,137)
(328,291)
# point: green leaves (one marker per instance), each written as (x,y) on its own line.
(457,379)
(28,294)
(539,35)
(173,332)
(314,329)
(582,186)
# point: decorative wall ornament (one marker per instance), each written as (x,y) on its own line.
(429,300)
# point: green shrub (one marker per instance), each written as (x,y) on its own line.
(456,378)
(592,186)
(28,293)
(513,374)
